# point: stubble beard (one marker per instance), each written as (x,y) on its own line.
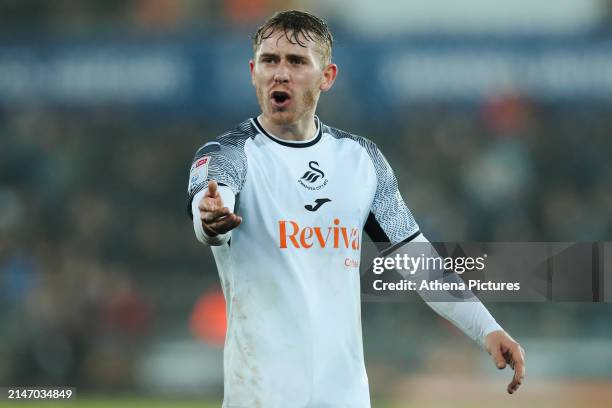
(287,115)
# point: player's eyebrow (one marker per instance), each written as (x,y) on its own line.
(288,56)
(296,57)
(268,55)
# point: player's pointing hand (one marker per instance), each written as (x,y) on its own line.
(504,350)
(216,218)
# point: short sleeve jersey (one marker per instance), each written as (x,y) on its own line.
(290,272)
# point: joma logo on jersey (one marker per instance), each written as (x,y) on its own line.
(292,235)
(314,179)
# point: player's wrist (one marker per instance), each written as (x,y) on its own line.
(493,337)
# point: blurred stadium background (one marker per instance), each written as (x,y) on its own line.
(496,116)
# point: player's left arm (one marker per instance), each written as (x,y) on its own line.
(392,222)
(468,314)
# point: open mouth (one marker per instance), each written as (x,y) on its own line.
(280,98)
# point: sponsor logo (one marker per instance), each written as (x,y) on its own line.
(318,203)
(314,179)
(198,173)
(336,236)
(202,161)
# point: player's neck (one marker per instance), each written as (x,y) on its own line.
(299,131)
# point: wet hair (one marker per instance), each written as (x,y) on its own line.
(297,26)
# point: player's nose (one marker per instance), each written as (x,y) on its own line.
(282,74)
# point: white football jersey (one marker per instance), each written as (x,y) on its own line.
(290,271)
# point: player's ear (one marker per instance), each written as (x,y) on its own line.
(252,68)
(330,72)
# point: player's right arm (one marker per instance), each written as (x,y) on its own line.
(215,179)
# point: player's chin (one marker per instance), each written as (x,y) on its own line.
(283,115)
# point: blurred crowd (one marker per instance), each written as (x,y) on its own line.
(91,209)
(508,170)
(149,15)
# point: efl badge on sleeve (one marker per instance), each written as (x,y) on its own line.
(198,173)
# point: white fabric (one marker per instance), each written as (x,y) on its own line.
(471,317)
(294,331)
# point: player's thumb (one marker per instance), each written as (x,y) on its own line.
(498,358)
(212,188)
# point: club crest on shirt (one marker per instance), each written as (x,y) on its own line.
(314,179)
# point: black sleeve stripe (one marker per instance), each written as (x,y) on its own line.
(380,239)
(399,244)
(375,232)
